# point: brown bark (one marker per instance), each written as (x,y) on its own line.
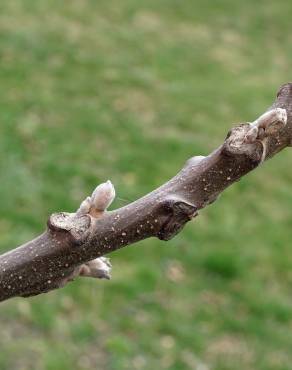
(52,259)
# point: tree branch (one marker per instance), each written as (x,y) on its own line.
(72,244)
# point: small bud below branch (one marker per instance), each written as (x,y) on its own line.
(99,268)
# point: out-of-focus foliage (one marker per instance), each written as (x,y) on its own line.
(128,90)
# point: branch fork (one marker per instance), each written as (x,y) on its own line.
(78,226)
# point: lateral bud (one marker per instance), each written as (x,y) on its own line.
(99,201)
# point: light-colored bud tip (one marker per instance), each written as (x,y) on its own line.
(282,115)
(103,196)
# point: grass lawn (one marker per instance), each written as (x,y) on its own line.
(127,91)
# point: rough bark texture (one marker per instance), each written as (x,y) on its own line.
(52,259)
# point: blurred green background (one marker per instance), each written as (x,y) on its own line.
(128,90)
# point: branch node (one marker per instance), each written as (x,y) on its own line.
(251,139)
(235,146)
(76,225)
(179,212)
